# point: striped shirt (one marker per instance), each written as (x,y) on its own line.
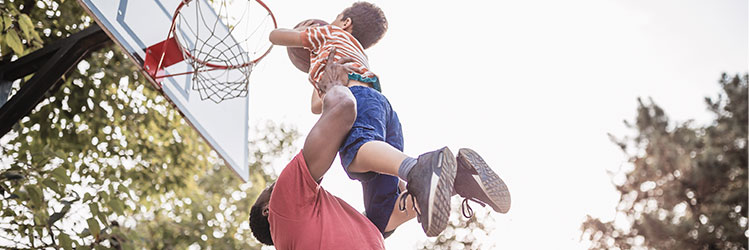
(321,39)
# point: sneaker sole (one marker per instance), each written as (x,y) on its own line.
(490,183)
(439,210)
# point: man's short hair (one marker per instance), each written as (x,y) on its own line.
(259,225)
(369,23)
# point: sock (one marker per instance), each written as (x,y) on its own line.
(406,167)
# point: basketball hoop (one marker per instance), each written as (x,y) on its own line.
(221,40)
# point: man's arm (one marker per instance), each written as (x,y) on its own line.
(338,115)
(338,76)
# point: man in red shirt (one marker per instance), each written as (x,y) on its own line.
(295,212)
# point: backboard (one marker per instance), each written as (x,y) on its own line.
(136,25)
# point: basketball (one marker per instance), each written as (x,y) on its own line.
(300,56)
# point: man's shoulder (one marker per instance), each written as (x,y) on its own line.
(295,182)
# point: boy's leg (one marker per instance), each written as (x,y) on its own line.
(476,181)
(399,216)
(379,157)
(430,178)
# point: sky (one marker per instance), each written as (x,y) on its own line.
(533,86)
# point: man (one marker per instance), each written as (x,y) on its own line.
(295,212)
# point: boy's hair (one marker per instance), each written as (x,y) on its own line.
(259,225)
(369,23)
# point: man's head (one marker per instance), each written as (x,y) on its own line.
(259,217)
(365,21)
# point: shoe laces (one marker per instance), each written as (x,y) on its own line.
(404,202)
(465,207)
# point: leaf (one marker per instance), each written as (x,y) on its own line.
(35,194)
(40,218)
(22,229)
(94,208)
(85,233)
(83,248)
(65,241)
(103,195)
(61,175)
(93,226)
(9,213)
(26,26)
(52,185)
(124,190)
(116,205)
(87,197)
(7,22)
(95,211)
(11,38)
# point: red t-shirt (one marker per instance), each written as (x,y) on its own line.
(302,215)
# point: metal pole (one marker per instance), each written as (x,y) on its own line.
(4,91)
(48,65)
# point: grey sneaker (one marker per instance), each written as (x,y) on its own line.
(475,181)
(430,185)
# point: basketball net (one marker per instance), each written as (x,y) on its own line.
(221,40)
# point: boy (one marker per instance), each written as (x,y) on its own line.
(372,152)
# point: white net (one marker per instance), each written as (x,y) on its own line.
(223,40)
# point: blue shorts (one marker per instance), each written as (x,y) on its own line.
(375,121)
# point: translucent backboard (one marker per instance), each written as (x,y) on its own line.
(136,25)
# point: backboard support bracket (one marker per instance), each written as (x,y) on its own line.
(48,64)
(161,55)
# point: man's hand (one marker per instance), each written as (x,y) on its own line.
(336,73)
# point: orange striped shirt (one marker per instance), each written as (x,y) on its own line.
(321,39)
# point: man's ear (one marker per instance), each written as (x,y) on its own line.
(265,211)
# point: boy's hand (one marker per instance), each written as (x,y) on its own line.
(336,73)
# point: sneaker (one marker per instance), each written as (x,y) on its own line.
(430,185)
(475,181)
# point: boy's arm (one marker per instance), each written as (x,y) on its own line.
(316,102)
(286,37)
(291,37)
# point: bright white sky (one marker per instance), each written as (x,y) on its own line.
(534,86)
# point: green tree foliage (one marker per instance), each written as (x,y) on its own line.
(463,232)
(18,33)
(687,188)
(106,162)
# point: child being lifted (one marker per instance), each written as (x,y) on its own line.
(372,153)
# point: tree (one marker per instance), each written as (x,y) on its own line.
(687,187)
(471,232)
(106,162)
